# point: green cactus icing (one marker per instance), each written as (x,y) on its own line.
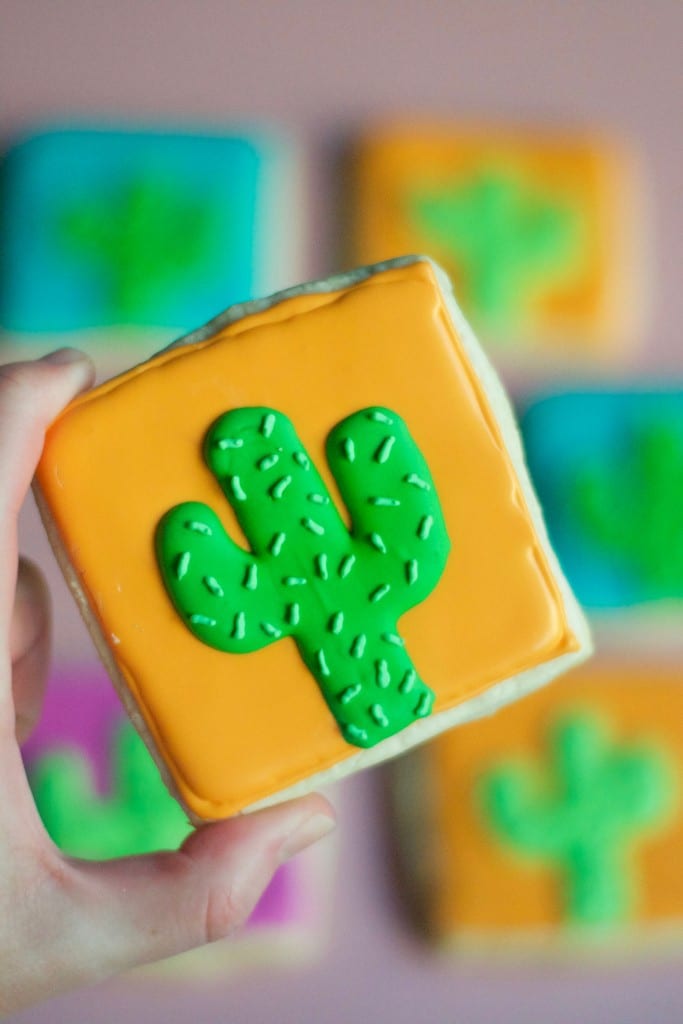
(338,593)
(631,507)
(145,237)
(137,816)
(504,235)
(583,814)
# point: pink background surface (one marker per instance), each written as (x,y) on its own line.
(323,69)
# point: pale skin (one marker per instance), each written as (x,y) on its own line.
(67,923)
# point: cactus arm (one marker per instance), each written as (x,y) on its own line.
(518,812)
(385,483)
(137,816)
(135,780)
(272,485)
(639,781)
(140,806)
(217,588)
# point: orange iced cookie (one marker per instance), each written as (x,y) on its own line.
(304,538)
(559,820)
(538,231)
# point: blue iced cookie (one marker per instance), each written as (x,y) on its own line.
(153,228)
(608,469)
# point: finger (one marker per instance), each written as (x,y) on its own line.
(32,394)
(206,891)
(29,647)
(119,914)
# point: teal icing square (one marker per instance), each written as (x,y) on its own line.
(608,470)
(154,228)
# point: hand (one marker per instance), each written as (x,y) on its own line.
(66,923)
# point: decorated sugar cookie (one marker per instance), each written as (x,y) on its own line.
(100,796)
(593,452)
(321,544)
(116,233)
(538,231)
(558,821)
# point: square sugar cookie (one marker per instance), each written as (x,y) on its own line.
(608,468)
(116,235)
(245,518)
(557,823)
(100,796)
(541,232)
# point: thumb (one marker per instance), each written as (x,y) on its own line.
(137,910)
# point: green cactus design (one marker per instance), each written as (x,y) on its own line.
(138,815)
(632,507)
(145,237)
(506,239)
(583,814)
(336,593)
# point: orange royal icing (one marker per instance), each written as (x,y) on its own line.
(233,729)
(588,305)
(482,889)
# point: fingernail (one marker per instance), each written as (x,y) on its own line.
(64,356)
(308,832)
